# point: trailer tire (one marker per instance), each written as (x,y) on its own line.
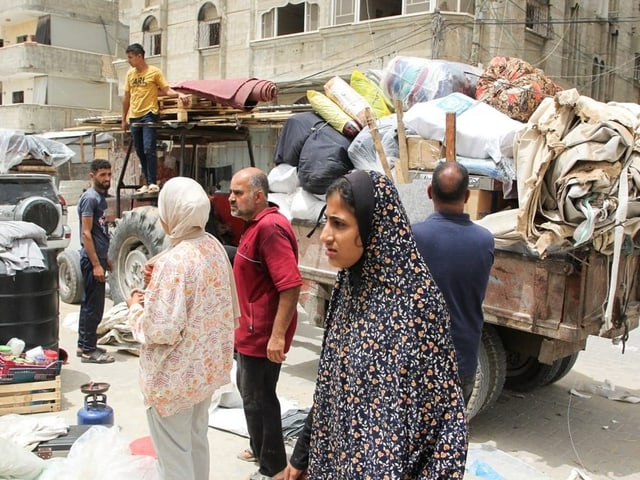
(138,236)
(490,374)
(70,281)
(525,373)
(565,366)
(494,349)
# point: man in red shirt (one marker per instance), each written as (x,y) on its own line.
(268,283)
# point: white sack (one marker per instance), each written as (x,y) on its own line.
(305,205)
(283,178)
(482,131)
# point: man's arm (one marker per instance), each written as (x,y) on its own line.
(125,110)
(170,92)
(287,305)
(89,247)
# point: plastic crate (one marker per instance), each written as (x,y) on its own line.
(12,372)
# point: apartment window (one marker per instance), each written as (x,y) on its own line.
(636,68)
(22,38)
(417,6)
(537,17)
(208,26)
(152,37)
(17,97)
(289,19)
(1,43)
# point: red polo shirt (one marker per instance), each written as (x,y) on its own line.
(265,264)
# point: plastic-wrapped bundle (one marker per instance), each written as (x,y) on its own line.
(481,130)
(362,151)
(348,99)
(514,87)
(371,93)
(332,113)
(414,80)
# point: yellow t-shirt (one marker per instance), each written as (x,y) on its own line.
(143,88)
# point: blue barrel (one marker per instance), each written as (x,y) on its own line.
(95,411)
(30,305)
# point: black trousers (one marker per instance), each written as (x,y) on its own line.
(92,306)
(257,379)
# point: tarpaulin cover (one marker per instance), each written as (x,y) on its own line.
(242,93)
(15,146)
(578,174)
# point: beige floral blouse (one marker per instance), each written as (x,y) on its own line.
(186,326)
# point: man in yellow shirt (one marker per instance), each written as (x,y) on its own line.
(140,104)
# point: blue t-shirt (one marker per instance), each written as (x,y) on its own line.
(459,254)
(94,204)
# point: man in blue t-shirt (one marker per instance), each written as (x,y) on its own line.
(459,254)
(94,238)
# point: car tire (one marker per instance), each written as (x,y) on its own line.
(70,284)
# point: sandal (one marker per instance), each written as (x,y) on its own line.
(247,456)
(79,351)
(97,357)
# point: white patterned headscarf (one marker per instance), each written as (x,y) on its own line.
(184,207)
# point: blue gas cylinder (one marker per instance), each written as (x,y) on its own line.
(95,411)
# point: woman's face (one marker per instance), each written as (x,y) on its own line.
(340,235)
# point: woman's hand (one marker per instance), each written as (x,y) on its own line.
(136,296)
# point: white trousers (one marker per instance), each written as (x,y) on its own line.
(181,442)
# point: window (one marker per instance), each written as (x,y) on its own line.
(349,11)
(1,43)
(208,26)
(302,17)
(152,37)
(415,6)
(636,68)
(537,17)
(17,97)
(22,38)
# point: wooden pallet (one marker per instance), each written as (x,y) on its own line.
(31,397)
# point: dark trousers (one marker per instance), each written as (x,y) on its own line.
(257,379)
(468,382)
(92,306)
(144,141)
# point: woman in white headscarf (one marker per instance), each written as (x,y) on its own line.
(184,321)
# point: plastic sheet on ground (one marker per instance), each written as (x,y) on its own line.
(485,462)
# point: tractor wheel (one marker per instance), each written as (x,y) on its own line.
(138,237)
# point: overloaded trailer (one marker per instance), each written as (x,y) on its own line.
(539,312)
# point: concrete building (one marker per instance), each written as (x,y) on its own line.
(590,44)
(56,62)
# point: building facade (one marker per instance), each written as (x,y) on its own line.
(56,62)
(590,44)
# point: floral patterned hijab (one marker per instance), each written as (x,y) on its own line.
(387,403)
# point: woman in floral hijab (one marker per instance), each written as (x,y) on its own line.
(387,403)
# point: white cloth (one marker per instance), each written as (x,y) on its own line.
(184,207)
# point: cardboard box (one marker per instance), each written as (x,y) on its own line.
(30,397)
(480,203)
(423,154)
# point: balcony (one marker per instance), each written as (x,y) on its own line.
(32,59)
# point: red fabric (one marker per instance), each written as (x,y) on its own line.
(242,93)
(266,263)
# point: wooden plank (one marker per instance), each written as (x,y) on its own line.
(377,142)
(402,170)
(450,136)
